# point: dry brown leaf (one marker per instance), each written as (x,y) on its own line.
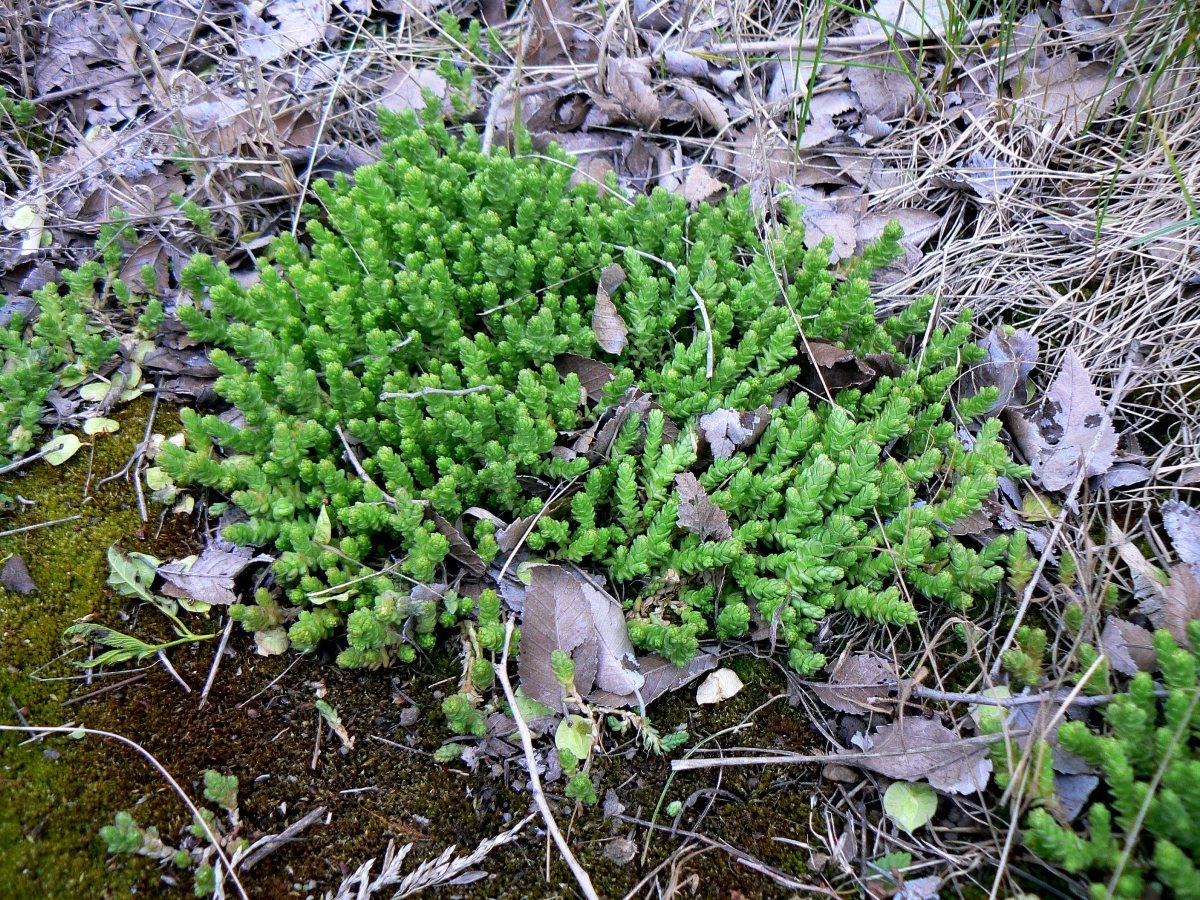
(1129,647)
(208,579)
(834,369)
(662,677)
(611,333)
(699,186)
(871,676)
(1061,95)
(1010,360)
(728,430)
(283,27)
(706,104)
(906,19)
(565,612)
(697,513)
(592,373)
(15,576)
(553,30)
(1183,525)
(1073,427)
(886,82)
(630,95)
(460,548)
(406,87)
(932,752)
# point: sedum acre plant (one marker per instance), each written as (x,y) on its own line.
(1144,838)
(408,389)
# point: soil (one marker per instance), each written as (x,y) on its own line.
(261,725)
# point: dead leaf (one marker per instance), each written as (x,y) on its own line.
(1073,428)
(553,30)
(1010,359)
(1071,792)
(697,513)
(208,579)
(1178,604)
(721,685)
(885,82)
(296,24)
(699,186)
(869,675)
(834,369)
(630,97)
(593,374)
(906,19)
(1059,96)
(1129,647)
(565,612)
(16,578)
(460,548)
(406,88)
(931,751)
(1183,524)
(662,676)
(611,333)
(706,104)
(728,430)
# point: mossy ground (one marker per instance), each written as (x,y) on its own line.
(54,796)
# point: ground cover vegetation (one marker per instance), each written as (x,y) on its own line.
(584,420)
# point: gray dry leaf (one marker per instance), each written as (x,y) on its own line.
(1073,429)
(1183,525)
(699,186)
(1129,647)
(406,87)
(611,333)
(1071,792)
(931,751)
(1010,360)
(565,612)
(906,18)
(886,82)
(871,675)
(697,513)
(1178,604)
(1061,94)
(630,96)
(16,578)
(208,579)
(297,24)
(729,430)
(661,677)
(707,105)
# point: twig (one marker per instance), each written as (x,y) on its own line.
(13,466)
(432,391)
(535,782)
(42,730)
(38,525)
(362,473)
(268,844)
(212,672)
(162,658)
(104,690)
(687,765)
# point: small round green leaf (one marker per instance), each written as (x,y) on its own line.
(100,425)
(575,734)
(910,805)
(60,449)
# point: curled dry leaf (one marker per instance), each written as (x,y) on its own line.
(611,333)
(728,430)
(563,611)
(1129,647)
(855,680)
(697,513)
(1010,360)
(707,105)
(926,749)
(834,369)
(721,685)
(662,676)
(1183,525)
(1073,429)
(207,579)
(593,374)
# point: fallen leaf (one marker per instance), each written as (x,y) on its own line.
(460,548)
(910,805)
(927,888)
(1010,359)
(209,578)
(593,374)
(1073,428)
(1071,792)
(1176,605)
(553,30)
(59,449)
(574,734)
(297,24)
(706,104)
(1183,525)
(834,369)
(699,186)
(906,19)
(611,333)
(630,97)
(1060,95)
(869,675)
(100,425)
(1129,647)
(661,677)
(564,612)
(719,686)
(930,751)
(26,221)
(729,430)
(271,642)
(697,513)
(406,88)
(885,81)
(15,576)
